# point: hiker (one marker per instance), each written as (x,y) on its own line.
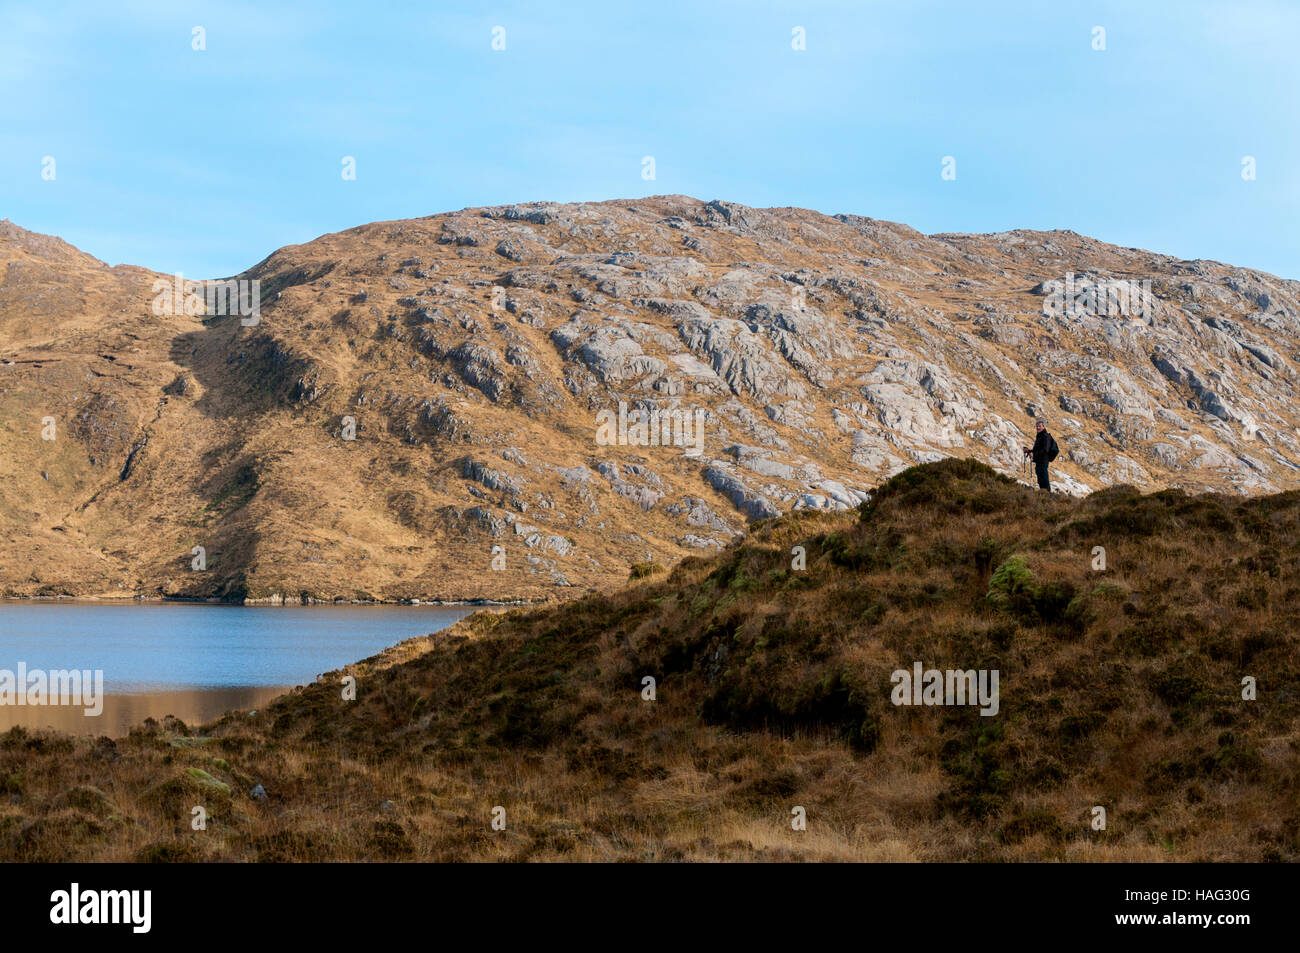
(1043,451)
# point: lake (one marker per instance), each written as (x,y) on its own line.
(194,661)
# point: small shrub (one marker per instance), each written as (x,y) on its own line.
(1010,587)
(642,570)
(1029,823)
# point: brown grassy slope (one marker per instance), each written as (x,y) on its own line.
(1119,688)
(81,345)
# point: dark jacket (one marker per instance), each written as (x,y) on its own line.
(1041,445)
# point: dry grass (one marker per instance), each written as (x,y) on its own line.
(1119,688)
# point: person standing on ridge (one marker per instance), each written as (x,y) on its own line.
(1043,451)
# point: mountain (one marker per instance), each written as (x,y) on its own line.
(413,394)
(1146,706)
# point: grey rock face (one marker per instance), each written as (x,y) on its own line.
(756,459)
(492,479)
(1174,367)
(481,367)
(696,512)
(744,498)
(643,495)
(830,352)
(740,358)
(701,542)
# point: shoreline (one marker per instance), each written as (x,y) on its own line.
(276,601)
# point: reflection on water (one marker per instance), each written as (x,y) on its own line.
(192,706)
(193,661)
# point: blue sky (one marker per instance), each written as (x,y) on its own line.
(207,161)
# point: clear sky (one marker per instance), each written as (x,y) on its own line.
(207,161)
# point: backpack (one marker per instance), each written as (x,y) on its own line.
(1052,449)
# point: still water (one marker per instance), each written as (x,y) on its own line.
(194,661)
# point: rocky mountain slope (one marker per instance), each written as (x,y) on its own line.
(1146,710)
(417,393)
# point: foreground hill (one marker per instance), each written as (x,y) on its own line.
(1120,688)
(471,355)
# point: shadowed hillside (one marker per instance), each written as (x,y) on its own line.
(1120,688)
